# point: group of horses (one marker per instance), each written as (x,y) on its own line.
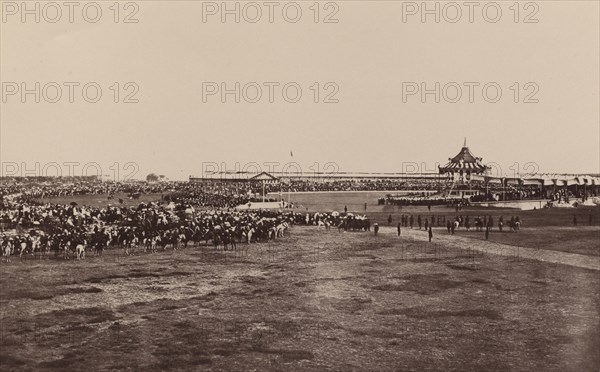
(43,244)
(134,240)
(346,221)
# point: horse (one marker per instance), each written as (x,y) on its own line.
(197,236)
(325,223)
(36,245)
(280,229)
(272,232)
(164,241)
(208,236)
(126,246)
(182,239)
(23,248)
(99,248)
(67,250)
(133,243)
(146,243)
(80,251)
(6,249)
(216,240)
(153,243)
(47,246)
(99,242)
(245,235)
(228,238)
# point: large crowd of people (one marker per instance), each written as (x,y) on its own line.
(298,185)
(57,187)
(423,200)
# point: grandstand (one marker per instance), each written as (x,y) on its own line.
(464,176)
(274,177)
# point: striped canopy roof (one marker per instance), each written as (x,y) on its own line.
(464,161)
(453,167)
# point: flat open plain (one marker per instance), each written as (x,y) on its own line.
(313,300)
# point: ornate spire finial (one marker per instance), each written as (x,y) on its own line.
(465,144)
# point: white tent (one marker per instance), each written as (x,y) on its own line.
(495,180)
(572,181)
(531,181)
(257,205)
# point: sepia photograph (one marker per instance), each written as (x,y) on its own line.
(308,185)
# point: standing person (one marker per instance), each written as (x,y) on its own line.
(487,232)
(345,209)
(490,222)
(376,228)
(419,222)
(452,227)
(412,221)
(399,228)
(430,234)
(389,220)
(448,226)
(426,224)
(365,207)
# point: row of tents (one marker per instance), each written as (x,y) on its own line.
(545,179)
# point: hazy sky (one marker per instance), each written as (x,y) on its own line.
(368,54)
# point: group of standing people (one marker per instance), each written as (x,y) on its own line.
(481,224)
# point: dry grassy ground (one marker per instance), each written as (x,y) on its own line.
(315,300)
(581,240)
